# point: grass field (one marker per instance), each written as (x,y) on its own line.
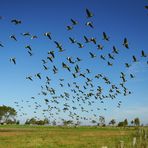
(14,136)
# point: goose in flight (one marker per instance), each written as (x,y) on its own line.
(65,66)
(99,46)
(69,27)
(72,40)
(51,53)
(127,65)
(13,60)
(26,34)
(80,45)
(90,24)
(70,60)
(102,57)
(110,56)
(134,59)
(45,67)
(125,43)
(30,53)
(143,54)
(105,37)
(74,22)
(16,22)
(92,55)
(38,75)
(88,13)
(86,39)
(13,37)
(1,45)
(44,62)
(29,78)
(48,34)
(115,50)
(110,64)
(34,37)
(132,76)
(28,47)
(93,40)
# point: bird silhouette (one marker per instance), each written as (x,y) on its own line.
(88,13)
(13,37)
(16,22)
(48,34)
(13,60)
(74,22)
(125,43)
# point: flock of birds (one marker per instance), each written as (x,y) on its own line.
(81,97)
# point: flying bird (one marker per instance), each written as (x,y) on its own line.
(88,13)
(51,53)
(93,40)
(34,37)
(26,34)
(115,50)
(125,43)
(13,60)
(29,78)
(92,55)
(69,27)
(48,34)
(90,24)
(105,37)
(86,39)
(72,40)
(38,75)
(143,54)
(100,46)
(74,22)
(16,22)
(13,37)
(80,45)
(30,53)
(132,76)
(134,59)
(28,47)
(127,65)
(1,45)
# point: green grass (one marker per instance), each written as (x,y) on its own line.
(17,136)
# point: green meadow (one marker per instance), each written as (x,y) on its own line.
(20,136)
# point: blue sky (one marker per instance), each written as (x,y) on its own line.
(118,18)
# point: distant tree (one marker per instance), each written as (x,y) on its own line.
(37,122)
(27,121)
(93,121)
(112,122)
(17,122)
(125,122)
(68,122)
(120,124)
(101,121)
(77,123)
(7,114)
(54,123)
(137,122)
(32,121)
(40,122)
(132,122)
(46,121)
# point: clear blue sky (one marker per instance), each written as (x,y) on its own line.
(118,18)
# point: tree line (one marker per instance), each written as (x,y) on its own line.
(8,116)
